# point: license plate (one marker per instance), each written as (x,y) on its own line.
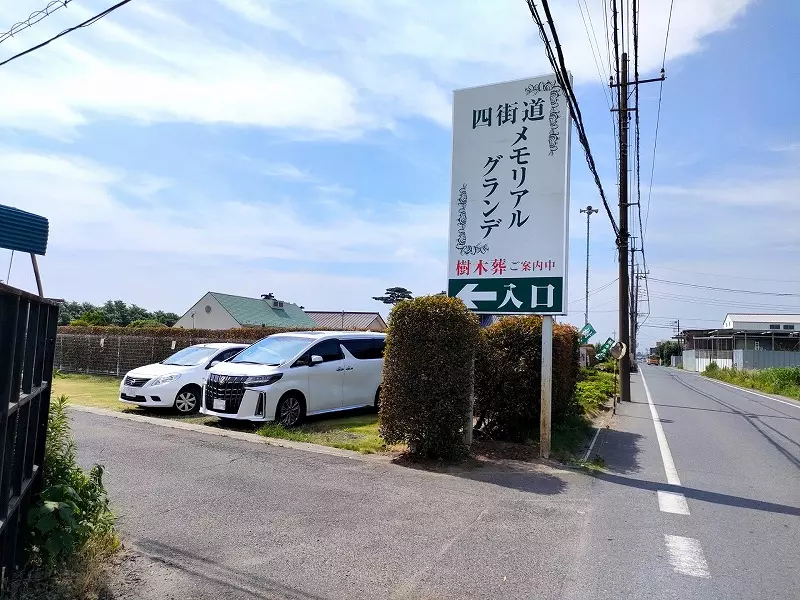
(219,403)
(129,391)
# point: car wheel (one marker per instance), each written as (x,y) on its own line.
(290,410)
(187,402)
(377,404)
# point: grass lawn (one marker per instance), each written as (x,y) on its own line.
(356,431)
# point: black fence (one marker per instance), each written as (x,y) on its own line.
(28,326)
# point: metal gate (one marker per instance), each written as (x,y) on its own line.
(28,327)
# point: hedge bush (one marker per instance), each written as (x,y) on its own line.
(242,334)
(425,393)
(508,377)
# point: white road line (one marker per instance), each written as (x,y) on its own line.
(686,556)
(672,502)
(591,446)
(736,387)
(666,455)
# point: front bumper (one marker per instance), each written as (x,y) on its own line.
(160,396)
(256,405)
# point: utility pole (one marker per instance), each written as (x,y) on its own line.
(622,241)
(589,211)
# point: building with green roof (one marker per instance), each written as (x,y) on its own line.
(225,311)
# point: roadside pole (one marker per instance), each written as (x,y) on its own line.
(469,420)
(547,386)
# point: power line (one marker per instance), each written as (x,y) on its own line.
(598,59)
(795,281)
(86,23)
(595,291)
(34,18)
(562,77)
(721,303)
(721,289)
(658,114)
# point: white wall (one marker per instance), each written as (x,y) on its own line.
(751,326)
(208,314)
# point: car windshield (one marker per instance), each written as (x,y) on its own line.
(190,357)
(273,350)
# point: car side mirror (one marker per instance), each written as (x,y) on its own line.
(213,363)
(315,360)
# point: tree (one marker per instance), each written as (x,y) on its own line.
(394,295)
(167,318)
(93,317)
(667,349)
(115,312)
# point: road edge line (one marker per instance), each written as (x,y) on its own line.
(236,435)
(666,456)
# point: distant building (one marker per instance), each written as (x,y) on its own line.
(224,311)
(367,321)
(761,322)
(745,341)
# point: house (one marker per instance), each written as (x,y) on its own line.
(367,321)
(745,341)
(224,311)
(761,322)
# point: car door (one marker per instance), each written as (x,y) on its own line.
(361,366)
(325,379)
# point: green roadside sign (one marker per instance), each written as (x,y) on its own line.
(523,295)
(605,348)
(586,332)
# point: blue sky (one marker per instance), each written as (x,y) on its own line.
(303,148)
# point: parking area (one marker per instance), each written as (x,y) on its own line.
(354,430)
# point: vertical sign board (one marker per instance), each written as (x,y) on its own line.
(509,202)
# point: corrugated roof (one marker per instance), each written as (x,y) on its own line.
(763,318)
(257,312)
(23,231)
(347,320)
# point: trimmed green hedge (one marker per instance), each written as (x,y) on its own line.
(243,334)
(508,377)
(425,393)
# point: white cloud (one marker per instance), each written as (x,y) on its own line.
(87,213)
(334,69)
(132,65)
(287,172)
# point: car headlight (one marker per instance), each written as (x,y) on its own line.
(165,379)
(261,380)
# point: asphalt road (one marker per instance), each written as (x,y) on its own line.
(716,516)
(722,508)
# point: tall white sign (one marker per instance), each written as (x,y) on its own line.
(509,202)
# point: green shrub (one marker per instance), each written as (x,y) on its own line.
(508,377)
(427,368)
(73,508)
(593,390)
(711,369)
(146,323)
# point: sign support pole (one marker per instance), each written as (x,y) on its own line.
(547,386)
(469,420)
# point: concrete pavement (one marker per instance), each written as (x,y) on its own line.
(707,507)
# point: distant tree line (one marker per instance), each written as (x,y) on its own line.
(113,312)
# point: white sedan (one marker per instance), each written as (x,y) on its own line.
(176,381)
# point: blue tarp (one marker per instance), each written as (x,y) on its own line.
(23,231)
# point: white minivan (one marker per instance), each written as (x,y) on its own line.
(287,376)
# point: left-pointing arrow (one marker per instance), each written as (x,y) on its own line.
(469,296)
